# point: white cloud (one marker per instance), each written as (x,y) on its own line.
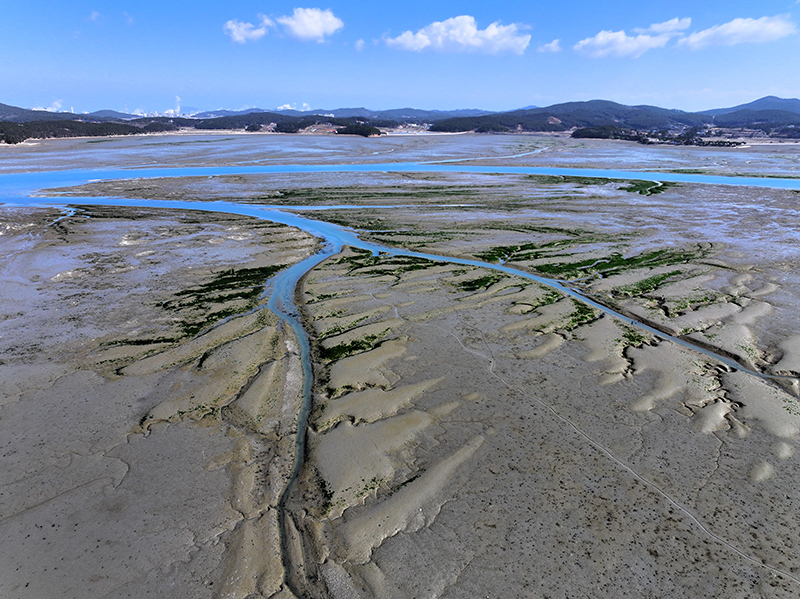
(54,107)
(174,111)
(305,107)
(738,31)
(94,16)
(554,46)
(311,23)
(246,32)
(619,43)
(360,45)
(462,33)
(671,26)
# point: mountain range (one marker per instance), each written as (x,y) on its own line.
(777,116)
(589,111)
(21,115)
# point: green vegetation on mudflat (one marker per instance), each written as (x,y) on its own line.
(533,251)
(635,186)
(529,228)
(480,283)
(647,285)
(581,315)
(617,262)
(229,292)
(551,297)
(506,253)
(575,180)
(367,194)
(408,238)
(385,264)
(631,337)
(648,188)
(356,346)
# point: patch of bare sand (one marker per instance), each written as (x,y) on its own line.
(548,343)
(678,373)
(356,460)
(371,405)
(604,339)
(376,329)
(413,507)
(790,361)
(368,369)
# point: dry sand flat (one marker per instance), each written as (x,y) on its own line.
(134,459)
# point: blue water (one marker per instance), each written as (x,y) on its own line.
(18,185)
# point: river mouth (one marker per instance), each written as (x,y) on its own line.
(463,413)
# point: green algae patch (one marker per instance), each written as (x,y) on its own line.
(227,293)
(647,285)
(616,262)
(581,315)
(479,283)
(356,346)
(647,188)
(631,337)
(535,251)
(362,262)
(575,180)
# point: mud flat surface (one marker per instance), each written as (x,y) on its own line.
(473,433)
(144,443)
(493,437)
(557,150)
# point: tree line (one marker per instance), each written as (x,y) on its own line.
(13,133)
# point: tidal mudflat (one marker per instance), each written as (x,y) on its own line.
(472,432)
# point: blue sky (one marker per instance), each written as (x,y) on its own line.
(156,56)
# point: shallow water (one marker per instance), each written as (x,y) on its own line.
(18,185)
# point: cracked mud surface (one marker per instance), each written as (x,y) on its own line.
(473,433)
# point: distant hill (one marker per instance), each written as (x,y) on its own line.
(750,118)
(773,116)
(110,114)
(20,115)
(403,114)
(212,114)
(15,114)
(765,103)
(395,114)
(561,117)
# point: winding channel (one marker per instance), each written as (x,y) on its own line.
(15,189)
